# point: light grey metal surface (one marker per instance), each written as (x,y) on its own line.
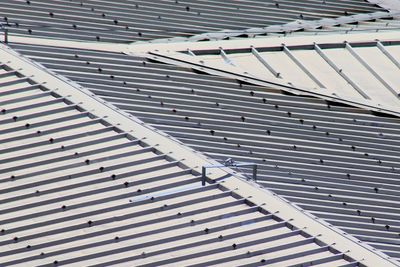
(339,162)
(363,70)
(127,21)
(77,190)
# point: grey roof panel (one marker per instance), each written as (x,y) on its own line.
(330,159)
(85,184)
(125,21)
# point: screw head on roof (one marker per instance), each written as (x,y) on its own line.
(15,239)
(234,246)
(206,230)
(51,14)
(268,132)
(63,207)
(90,223)
(212,132)
(126,184)
(373,219)
(87,161)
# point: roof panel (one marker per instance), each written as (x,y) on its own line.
(125,21)
(327,158)
(83,187)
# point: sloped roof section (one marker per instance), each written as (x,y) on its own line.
(300,26)
(85,184)
(362,70)
(128,21)
(339,162)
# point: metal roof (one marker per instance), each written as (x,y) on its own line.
(101,153)
(127,21)
(336,161)
(86,184)
(361,69)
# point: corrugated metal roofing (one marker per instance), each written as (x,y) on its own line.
(339,162)
(79,190)
(302,27)
(127,21)
(363,70)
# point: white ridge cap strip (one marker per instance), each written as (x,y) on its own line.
(288,27)
(311,224)
(93,104)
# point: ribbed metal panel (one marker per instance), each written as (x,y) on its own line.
(78,190)
(127,21)
(339,162)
